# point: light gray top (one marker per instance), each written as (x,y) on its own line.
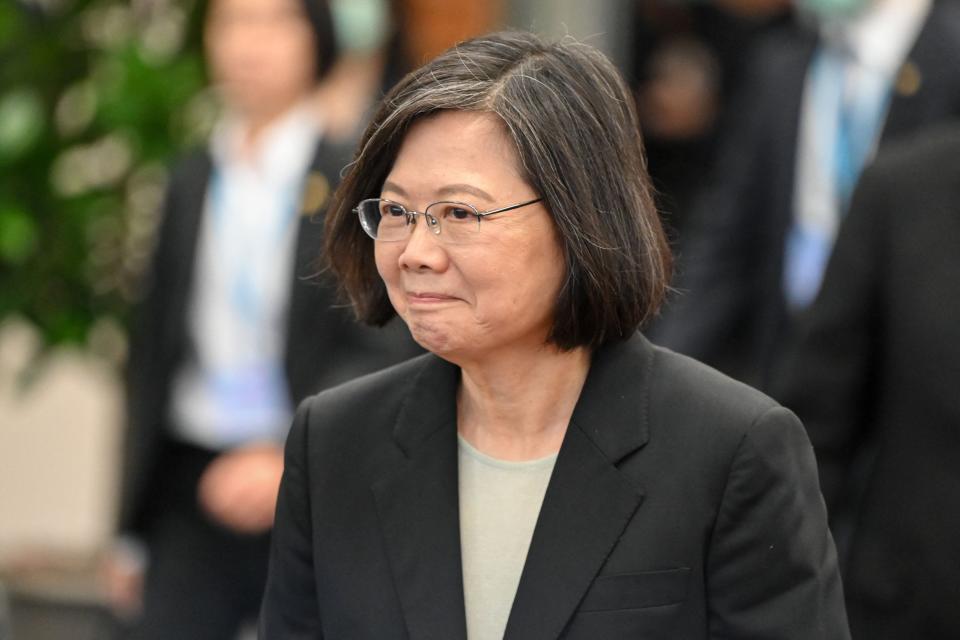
(499,504)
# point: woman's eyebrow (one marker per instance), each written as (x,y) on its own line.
(452,189)
(393,186)
(444,191)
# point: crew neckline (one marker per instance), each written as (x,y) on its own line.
(473,452)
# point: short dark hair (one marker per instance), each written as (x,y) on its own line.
(574,124)
(319,16)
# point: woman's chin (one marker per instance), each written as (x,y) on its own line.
(436,339)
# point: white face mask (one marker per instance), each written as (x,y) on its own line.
(832,9)
(362,26)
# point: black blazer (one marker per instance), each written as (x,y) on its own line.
(875,377)
(324,344)
(683,505)
(731,311)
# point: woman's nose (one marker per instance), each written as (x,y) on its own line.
(423,249)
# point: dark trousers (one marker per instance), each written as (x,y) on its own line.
(204,581)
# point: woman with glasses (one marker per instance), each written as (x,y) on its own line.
(544,471)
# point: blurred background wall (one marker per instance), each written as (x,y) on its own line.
(96,97)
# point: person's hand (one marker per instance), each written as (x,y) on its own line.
(239,488)
(121,573)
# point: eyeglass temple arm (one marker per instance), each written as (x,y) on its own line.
(509,208)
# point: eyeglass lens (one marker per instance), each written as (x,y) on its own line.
(388,221)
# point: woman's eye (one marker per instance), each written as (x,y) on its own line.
(394,210)
(458,213)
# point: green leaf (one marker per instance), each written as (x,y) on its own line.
(21,121)
(18,236)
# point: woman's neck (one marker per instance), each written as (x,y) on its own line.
(256,124)
(518,408)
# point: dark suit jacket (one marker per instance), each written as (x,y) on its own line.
(731,311)
(876,377)
(683,505)
(324,344)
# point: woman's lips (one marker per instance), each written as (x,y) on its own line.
(429,297)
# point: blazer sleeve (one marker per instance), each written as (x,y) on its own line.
(144,370)
(772,567)
(826,375)
(290,610)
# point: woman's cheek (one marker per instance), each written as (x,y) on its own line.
(397,300)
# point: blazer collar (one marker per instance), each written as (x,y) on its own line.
(587,505)
(612,409)
(419,508)
(431,403)
(589,501)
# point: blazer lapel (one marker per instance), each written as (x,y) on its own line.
(318,185)
(307,267)
(188,214)
(588,501)
(312,321)
(418,506)
(924,85)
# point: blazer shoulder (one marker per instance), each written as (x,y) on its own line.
(929,154)
(368,401)
(688,392)
(943,24)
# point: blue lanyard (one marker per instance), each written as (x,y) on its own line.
(858,122)
(245,297)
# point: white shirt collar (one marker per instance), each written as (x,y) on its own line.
(283,151)
(880,37)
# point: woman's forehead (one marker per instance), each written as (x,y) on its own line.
(456,147)
(456,128)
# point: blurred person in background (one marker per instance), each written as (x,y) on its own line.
(875,375)
(816,102)
(688,60)
(233,329)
